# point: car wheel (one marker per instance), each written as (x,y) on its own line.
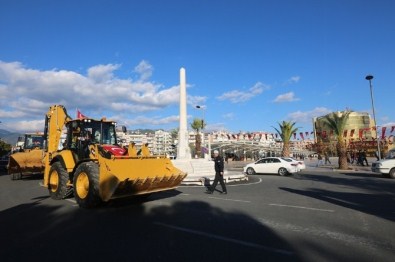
(392,173)
(282,171)
(250,171)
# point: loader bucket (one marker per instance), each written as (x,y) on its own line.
(24,163)
(127,176)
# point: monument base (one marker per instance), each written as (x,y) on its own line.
(201,171)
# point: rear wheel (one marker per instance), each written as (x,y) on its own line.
(250,171)
(86,185)
(282,171)
(392,173)
(58,178)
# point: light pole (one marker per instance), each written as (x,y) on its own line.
(203,121)
(369,78)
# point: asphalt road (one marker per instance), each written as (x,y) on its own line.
(317,215)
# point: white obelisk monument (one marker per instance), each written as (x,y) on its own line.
(183,151)
(198,170)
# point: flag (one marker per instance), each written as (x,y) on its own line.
(352,132)
(301,135)
(294,135)
(383,132)
(361,132)
(80,115)
(345,133)
(392,129)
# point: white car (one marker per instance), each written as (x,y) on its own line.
(271,165)
(386,166)
(301,164)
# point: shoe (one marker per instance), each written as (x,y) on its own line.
(224,193)
(209,192)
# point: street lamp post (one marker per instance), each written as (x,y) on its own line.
(203,121)
(369,78)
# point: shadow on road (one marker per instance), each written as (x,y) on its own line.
(149,231)
(375,203)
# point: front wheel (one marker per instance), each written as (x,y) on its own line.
(58,178)
(392,173)
(282,171)
(86,185)
(250,171)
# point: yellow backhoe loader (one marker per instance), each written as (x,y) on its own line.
(95,167)
(29,159)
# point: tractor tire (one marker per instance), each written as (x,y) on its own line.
(58,178)
(16,176)
(86,185)
(392,173)
(250,171)
(282,171)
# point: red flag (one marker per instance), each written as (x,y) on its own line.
(323,134)
(361,132)
(383,129)
(80,115)
(301,135)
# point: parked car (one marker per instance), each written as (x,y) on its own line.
(271,165)
(386,166)
(301,164)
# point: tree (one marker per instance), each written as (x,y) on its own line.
(285,132)
(337,122)
(198,125)
(4,148)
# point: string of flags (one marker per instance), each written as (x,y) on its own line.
(385,130)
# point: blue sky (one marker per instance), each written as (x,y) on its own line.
(251,64)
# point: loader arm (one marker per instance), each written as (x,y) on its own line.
(55,120)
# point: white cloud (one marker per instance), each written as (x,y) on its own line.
(26,93)
(152,121)
(292,80)
(145,69)
(236,96)
(307,116)
(287,97)
(229,116)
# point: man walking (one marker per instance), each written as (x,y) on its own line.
(219,174)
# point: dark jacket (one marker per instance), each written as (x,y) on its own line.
(219,164)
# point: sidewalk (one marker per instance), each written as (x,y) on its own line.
(312,164)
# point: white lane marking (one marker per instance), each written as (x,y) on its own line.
(309,208)
(228,199)
(227,239)
(249,184)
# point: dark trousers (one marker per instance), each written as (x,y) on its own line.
(219,178)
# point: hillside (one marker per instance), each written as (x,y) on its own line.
(9,137)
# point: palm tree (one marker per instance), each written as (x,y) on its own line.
(337,122)
(287,129)
(197,125)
